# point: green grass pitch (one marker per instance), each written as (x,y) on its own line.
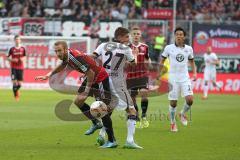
(29,129)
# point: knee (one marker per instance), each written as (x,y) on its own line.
(173,104)
(78,101)
(189,102)
(132,111)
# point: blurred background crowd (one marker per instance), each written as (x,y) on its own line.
(90,10)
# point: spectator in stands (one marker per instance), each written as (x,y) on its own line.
(16,9)
(25,11)
(85,17)
(3,10)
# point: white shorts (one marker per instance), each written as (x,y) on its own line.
(177,88)
(120,98)
(209,75)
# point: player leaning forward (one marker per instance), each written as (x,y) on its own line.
(95,76)
(114,56)
(179,55)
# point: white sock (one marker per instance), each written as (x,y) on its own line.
(218,86)
(205,90)
(172,111)
(102,132)
(186,107)
(131,130)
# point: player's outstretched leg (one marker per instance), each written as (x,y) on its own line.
(18,90)
(217,85)
(130,144)
(172,112)
(187,105)
(107,122)
(205,90)
(101,136)
(138,122)
(144,106)
(15,91)
(85,108)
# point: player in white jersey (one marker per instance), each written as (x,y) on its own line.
(179,55)
(210,60)
(114,56)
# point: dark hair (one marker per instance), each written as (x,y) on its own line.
(180,29)
(120,31)
(16,36)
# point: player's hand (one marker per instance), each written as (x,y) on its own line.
(41,78)
(135,52)
(14,60)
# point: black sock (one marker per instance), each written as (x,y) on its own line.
(132,117)
(18,86)
(136,107)
(107,123)
(144,105)
(85,108)
(15,90)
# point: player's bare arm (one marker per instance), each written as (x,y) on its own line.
(90,80)
(216,62)
(161,67)
(94,55)
(194,68)
(12,59)
(58,69)
(22,59)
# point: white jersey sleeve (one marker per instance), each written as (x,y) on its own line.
(214,56)
(165,53)
(100,49)
(129,55)
(191,56)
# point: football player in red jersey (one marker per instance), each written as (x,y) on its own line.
(95,76)
(137,77)
(16,56)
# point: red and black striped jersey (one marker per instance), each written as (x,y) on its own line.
(17,53)
(140,69)
(81,62)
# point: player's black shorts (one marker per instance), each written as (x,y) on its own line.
(101,91)
(136,84)
(17,74)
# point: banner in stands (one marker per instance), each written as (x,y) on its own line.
(226,64)
(230,84)
(26,26)
(158,14)
(224,39)
(41,26)
(39,61)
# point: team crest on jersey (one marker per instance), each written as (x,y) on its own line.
(110,46)
(180,57)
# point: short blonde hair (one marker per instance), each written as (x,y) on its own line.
(62,43)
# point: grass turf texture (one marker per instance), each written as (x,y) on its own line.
(29,129)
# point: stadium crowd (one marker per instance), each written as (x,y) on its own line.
(90,10)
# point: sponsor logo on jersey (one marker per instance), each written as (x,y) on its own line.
(180,57)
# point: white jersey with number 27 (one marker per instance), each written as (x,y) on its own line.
(114,57)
